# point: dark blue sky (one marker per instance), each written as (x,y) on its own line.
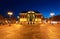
(43,6)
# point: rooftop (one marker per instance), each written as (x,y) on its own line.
(30,10)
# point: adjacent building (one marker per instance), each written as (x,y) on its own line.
(54,19)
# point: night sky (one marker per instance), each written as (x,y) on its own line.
(43,6)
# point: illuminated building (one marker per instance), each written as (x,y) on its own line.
(31,16)
(55,19)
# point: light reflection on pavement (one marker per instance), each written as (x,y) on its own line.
(34,31)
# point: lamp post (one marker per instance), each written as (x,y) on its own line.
(10,14)
(18,19)
(52,14)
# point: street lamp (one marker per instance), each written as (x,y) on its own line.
(52,14)
(18,19)
(10,14)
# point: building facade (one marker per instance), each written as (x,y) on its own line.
(31,16)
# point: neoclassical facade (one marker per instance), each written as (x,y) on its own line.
(31,16)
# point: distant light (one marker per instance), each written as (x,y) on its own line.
(23,19)
(16,21)
(18,17)
(31,12)
(10,13)
(52,14)
(54,22)
(6,21)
